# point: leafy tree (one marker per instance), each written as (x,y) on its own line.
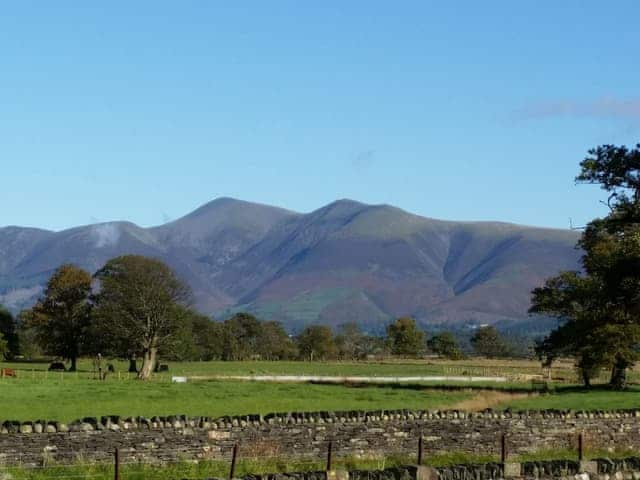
(274,343)
(241,336)
(61,319)
(600,305)
(316,342)
(4,346)
(351,342)
(404,337)
(488,342)
(27,340)
(198,338)
(138,306)
(8,329)
(445,345)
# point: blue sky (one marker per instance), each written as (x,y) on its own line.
(458,110)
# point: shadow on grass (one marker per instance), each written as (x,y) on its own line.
(509,388)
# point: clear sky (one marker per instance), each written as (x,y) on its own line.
(458,110)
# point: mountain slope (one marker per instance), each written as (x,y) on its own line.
(346,261)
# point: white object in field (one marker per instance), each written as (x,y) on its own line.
(178,379)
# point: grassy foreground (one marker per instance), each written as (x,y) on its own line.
(220,469)
(70,399)
(26,399)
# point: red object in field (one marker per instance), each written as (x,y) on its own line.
(8,372)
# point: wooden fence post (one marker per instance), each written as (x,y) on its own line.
(116,470)
(580,447)
(330,456)
(234,456)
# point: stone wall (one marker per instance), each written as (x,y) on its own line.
(376,433)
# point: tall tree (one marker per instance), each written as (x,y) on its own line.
(600,306)
(138,305)
(350,341)
(488,342)
(4,346)
(316,342)
(200,338)
(241,335)
(9,330)
(61,318)
(274,343)
(445,345)
(405,338)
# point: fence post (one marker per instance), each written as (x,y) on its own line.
(232,471)
(116,470)
(580,448)
(420,440)
(329,456)
(503,449)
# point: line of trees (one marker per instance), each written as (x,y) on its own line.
(136,308)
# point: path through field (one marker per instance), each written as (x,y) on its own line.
(489,399)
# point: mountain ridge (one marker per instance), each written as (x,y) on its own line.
(345,261)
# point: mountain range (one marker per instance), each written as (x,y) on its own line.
(346,261)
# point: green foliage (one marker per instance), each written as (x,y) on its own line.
(600,306)
(61,319)
(488,342)
(404,337)
(316,342)
(445,345)
(138,307)
(8,330)
(241,334)
(274,343)
(353,344)
(198,338)
(244,337)
(4,346)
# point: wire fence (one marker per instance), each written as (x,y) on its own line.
(210,459)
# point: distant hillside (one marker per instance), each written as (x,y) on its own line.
(346,261)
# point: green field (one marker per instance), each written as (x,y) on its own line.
(37,394)
(339,368)
(580,399)
(28,399)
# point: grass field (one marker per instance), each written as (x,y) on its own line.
(338,368)
(68,396)
(68,400)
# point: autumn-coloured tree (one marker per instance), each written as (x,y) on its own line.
(61,318)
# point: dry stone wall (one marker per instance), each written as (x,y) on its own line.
(376,433)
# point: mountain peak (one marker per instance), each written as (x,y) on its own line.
(346,261)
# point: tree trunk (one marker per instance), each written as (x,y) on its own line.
(148,363)
(74,364)
(619,374)
(132,364)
